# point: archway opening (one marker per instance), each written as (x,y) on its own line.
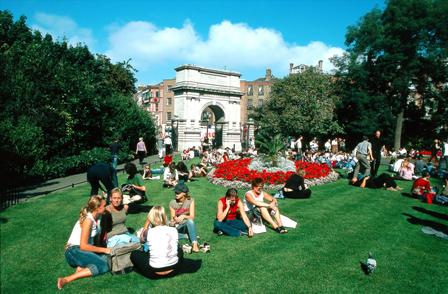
(212,118)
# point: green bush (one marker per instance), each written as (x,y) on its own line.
(60,167)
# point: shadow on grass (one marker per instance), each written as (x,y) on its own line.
(418,221)
(3,220)
(430,212)
(137,208)
(190,266)
(409,195)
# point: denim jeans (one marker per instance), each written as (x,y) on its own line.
(231,227)
(188,228)
(96,263)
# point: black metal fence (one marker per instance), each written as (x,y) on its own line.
(9,196)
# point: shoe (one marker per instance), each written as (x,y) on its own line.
(205,248)
(187,248)
(220,233)
(281,230)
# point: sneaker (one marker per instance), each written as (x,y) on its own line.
(220,233)
(187,248)
(205,248)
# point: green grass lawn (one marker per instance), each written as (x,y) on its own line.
(339,225)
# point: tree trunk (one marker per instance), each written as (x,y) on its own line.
(398,130)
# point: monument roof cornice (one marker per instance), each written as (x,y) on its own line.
(209,70)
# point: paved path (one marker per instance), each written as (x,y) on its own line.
(71,181)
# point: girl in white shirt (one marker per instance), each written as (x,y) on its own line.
(80,253)
(164,256)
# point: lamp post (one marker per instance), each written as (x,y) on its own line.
(174,136)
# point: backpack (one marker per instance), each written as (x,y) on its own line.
(120,261)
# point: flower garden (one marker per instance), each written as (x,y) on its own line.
(236,173)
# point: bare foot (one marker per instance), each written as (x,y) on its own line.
(78,269)
(195,248)
(61,283)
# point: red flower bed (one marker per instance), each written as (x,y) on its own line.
(238,170)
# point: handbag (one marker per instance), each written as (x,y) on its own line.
(120,261)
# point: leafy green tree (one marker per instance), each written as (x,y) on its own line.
(394,56)
(61,102)
(300,104)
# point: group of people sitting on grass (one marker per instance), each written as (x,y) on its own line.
(101,227)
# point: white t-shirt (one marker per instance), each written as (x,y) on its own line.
(162,242)
(75,236)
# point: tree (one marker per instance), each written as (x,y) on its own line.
(300,104)
(60,102)
(395,55)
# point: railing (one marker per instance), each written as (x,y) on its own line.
(9,196)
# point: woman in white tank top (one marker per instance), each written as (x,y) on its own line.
(254,203)
(80,253)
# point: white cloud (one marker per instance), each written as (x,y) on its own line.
(148,45)
(63,27)
(235,46)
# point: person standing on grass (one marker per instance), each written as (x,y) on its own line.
(231,219)
(255,205)
(141,150)
(101,173)
(114,150)
(80,253)
(164,257)
(363,153)
(168,145)
(377,146)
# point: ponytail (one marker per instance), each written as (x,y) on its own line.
(93,203)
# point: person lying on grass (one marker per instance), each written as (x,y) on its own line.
(182,214)
(254,205)
(164,257)
(80,253)
(382,181)
(231,219)
(115,219)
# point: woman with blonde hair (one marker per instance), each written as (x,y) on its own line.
(164,256)
(295,186)
(115,217)
(80,253)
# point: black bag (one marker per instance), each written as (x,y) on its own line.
(120,261)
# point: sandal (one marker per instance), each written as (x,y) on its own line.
(281,230)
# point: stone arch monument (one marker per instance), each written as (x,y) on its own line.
(207,104)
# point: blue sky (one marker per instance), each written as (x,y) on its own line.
(243,36)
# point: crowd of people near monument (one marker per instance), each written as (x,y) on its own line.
(101,225)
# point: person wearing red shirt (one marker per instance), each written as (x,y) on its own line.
(231,219)
(421,186)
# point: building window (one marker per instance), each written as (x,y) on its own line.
(250,103)
(169,101)
(157,94)
(260,103)
(260,90)
(168,116)
(157,107)
(250,90)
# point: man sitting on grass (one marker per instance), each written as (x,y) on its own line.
(254,205)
